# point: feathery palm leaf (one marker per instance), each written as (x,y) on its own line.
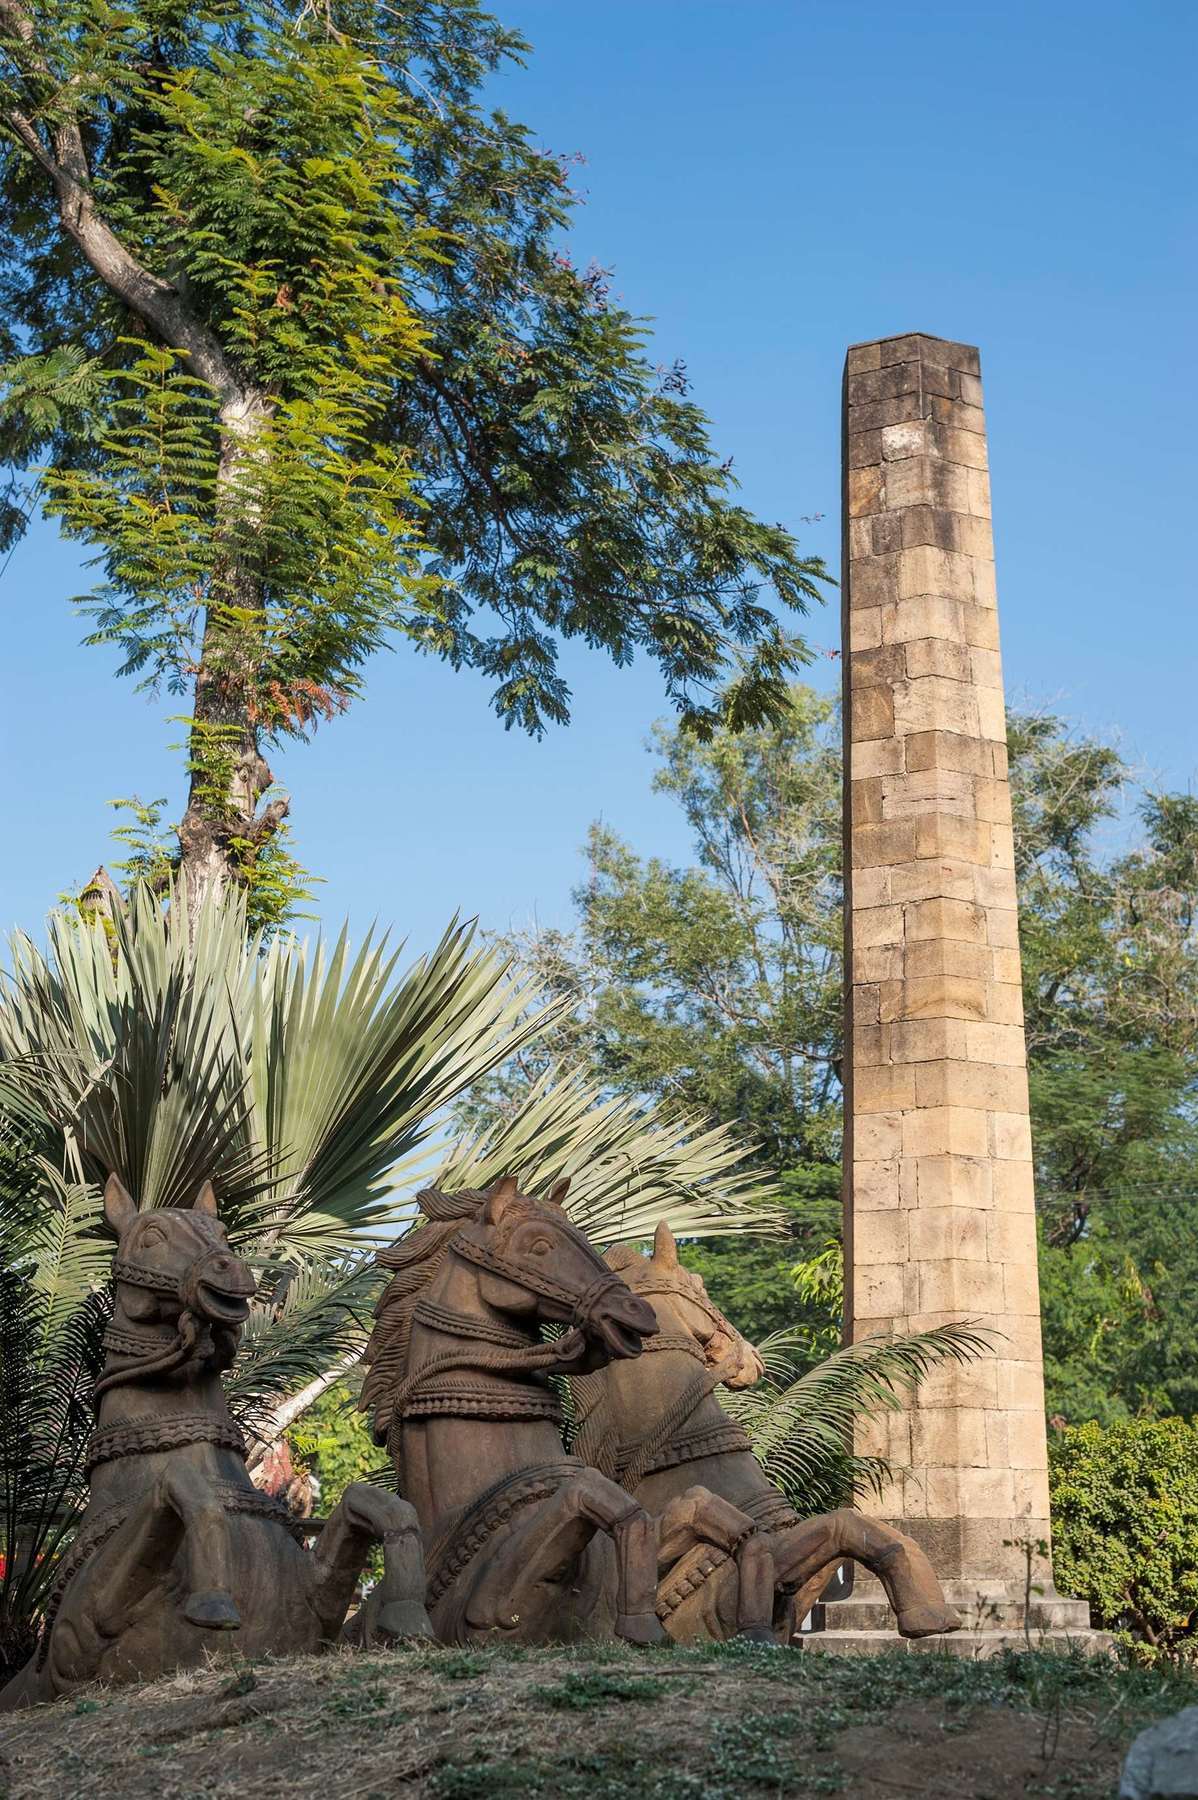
(801,1425)
(629,1166)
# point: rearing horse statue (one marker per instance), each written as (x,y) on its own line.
(176,1546)
(458,1390)
(658,1428)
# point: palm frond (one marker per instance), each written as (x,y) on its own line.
(629,1166)
(801,1425)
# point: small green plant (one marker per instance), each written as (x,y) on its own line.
(1125,1528)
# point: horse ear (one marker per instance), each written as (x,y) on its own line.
(665,1249)
(559,1190)
(500,1195)
(119,1204)
(205,1200)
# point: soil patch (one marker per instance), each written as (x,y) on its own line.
(605,1722)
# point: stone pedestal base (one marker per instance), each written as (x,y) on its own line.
(993,1617)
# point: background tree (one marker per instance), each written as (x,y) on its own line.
(294,342)
(721,982)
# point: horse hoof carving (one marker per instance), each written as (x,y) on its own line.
(213,1611)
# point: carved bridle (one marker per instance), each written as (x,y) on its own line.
(510,1354)
(154,1349)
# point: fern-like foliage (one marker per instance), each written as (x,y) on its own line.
(54,1304)
(802,1425)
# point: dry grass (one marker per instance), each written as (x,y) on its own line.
(603,1721)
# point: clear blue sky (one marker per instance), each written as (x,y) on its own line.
(772,181)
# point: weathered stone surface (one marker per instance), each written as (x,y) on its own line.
(939,1200)
(1162,1764)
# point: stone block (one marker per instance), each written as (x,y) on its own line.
(1011,1139)
(938,656)
(939,748)
(878,1294)
(882,963)
(947,1231)
(885,1088)
(974,535)
(938,1130)
(970,389)
(979,494)
(946,834)
(985,581)
(966,1288)
(873,581)
(992,799)
(879,667)
(864,490)
(869,415)
(956,412)
(925,569)
(1021,1287)
(991,713)
(956,446)
(943,996)
(864,449)
(1004,1003)
(949,956)
(880,1236)
(869,1046)
(954,1181)
(929,525)
(932,879)
(935,704)
(993,1043)
(878,925)
(861,538)
(878,1138)
(886,533)
(984,668)
(865,802)
(871,887)
(1005,966)
(880,756)
(987,1086)
(864,628)
(926,1040)
(863,356)
(891,842)
(897,442)
(864,1002)
(979,627)
(946,919)
(929,616)
(1002,928)
(1011,1236)
(872,713)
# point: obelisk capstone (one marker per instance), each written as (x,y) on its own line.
(939,1209)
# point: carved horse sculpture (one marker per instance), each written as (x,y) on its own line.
(176,1545)
(458,1391)
(658,1427)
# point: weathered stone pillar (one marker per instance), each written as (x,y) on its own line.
(939,1218)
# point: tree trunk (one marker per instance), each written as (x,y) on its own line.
(222,831)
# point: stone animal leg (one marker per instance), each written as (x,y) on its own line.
(363,1517)
(700,1517)
(181,1517)
(546,1549)
(806,1555)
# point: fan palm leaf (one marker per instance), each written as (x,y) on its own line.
(629,1166)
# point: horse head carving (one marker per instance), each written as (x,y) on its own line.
(182,1295)
(685,1309)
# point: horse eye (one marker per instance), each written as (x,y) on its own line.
(153,1234)
(542,1247)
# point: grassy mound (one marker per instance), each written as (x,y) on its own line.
(606,1722)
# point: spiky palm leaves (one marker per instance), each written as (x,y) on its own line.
(802,1424)
(307,1083)
(53,1308)
(628,1167)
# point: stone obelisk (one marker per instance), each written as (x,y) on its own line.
(939,1214)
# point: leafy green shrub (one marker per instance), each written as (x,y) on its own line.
(1125,1529)
(331,1439)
